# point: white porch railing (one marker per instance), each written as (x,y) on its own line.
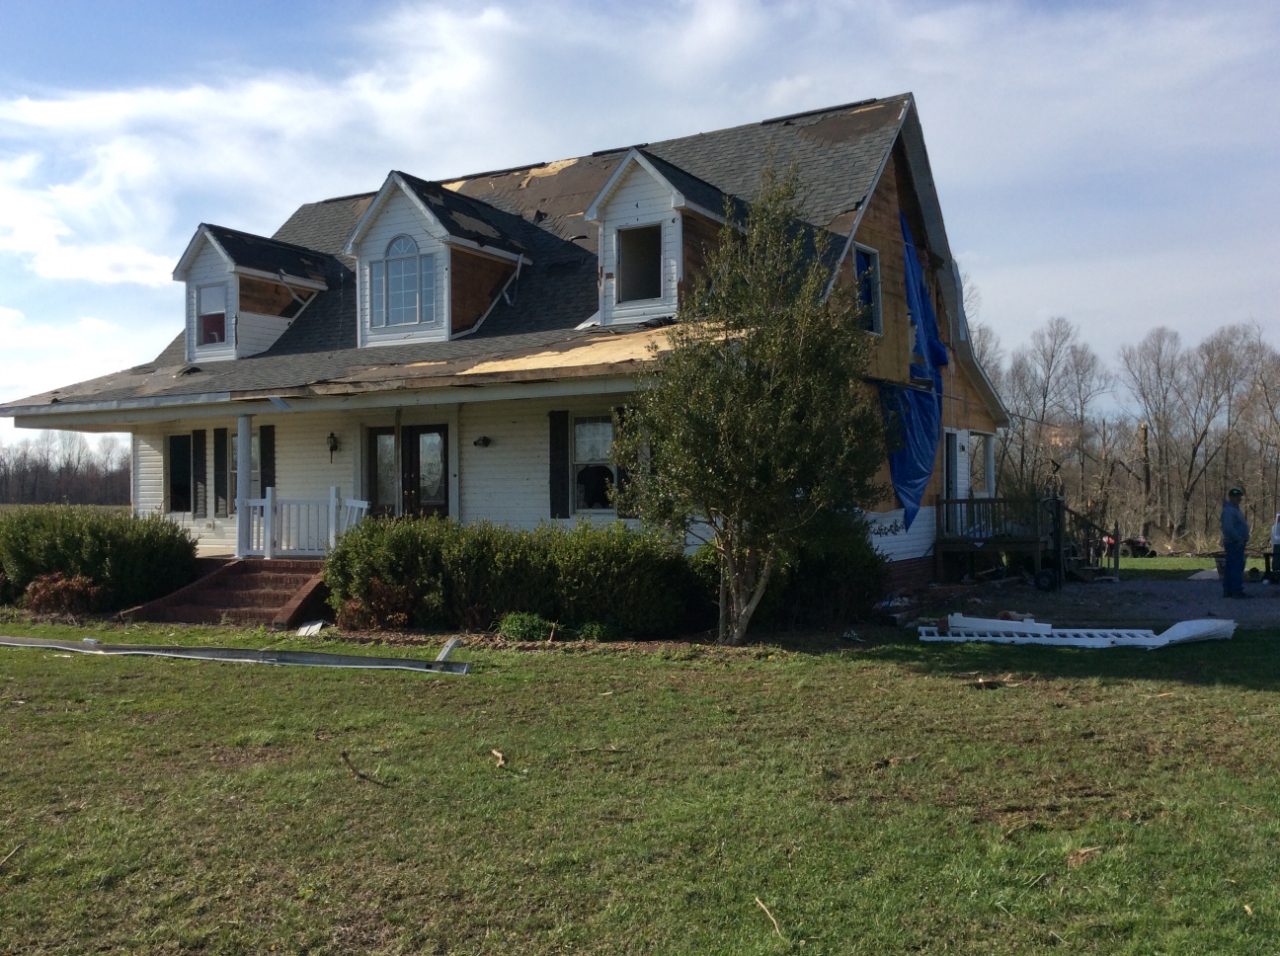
(274,527)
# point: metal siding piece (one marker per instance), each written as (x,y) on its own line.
(561,479)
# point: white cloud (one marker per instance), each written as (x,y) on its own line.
(1034,114)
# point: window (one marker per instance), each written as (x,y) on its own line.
(595,476)
(255,468)
(640,263)
(211,315)
(179,473)
(867,268)
(982,465)
(402,286)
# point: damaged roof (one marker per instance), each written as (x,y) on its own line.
(536,211)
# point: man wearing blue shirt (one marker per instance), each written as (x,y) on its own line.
(1235,535)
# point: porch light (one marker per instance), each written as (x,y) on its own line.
(332,442)
(484,441)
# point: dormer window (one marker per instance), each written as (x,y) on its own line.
(640,263)
(402,286)
(867,270)
(211,315)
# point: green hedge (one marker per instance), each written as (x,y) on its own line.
(134,559)
(434,573)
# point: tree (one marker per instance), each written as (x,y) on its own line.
(757,419)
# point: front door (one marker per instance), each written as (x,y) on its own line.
(420,484)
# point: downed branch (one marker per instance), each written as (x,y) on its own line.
(770,915)
(10,855)
(358,774)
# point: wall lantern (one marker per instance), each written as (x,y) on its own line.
(484,441)
(332,442)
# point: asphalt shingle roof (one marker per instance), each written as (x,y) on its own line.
(534,210)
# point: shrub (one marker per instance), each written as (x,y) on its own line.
(595,631)
(450,574)
(58,594)
(522,626)
(133,560)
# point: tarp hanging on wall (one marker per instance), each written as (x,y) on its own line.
(928,345)
(912,418)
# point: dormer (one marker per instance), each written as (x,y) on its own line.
(653,220)
(431,263)
(243,291)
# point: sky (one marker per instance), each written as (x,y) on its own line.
(1114,163)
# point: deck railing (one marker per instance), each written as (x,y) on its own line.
(993,520)
(272,527)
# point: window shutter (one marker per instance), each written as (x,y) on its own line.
(561,468)
(220,476)
(267,451)
(199,474)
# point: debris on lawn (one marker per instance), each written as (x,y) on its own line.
(1028,631)
(770,915)
(312,628)
(243,655)
(11,854)
(893,761)
(1082,856)
(361,776)
(502,761)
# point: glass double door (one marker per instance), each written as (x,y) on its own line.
(418,484)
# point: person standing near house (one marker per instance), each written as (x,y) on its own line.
(1235,535)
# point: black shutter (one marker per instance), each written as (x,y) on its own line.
(200,474)
(267,453)
(220,476)
(561,467)
(179,473)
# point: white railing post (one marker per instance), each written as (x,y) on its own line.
(269,525)
(333,516)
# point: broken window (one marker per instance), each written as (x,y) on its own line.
(211,315)
(640,263)
(402,286)
(867,269)
(594,473)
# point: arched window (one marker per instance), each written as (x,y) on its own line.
(402,286)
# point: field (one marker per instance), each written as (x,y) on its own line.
(875,798)
(1169,569)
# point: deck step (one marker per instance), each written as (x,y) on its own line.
(252,592)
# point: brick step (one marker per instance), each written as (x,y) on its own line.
(205,614)
(255,581)
(271,598)
(295,566)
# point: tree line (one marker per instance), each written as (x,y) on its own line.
(64,468)
(1151,441)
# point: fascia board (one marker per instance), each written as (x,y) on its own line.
(193,249)
(633,156)
(487,250)
(224,405)
(312,284)
(871,191)
(912,134)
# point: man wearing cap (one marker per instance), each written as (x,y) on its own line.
(1235,535)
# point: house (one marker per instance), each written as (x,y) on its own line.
(458,347)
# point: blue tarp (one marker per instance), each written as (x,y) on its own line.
(913,416)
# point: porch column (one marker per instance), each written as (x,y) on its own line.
(989,454)
(244,482)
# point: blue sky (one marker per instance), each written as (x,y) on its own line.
(1113,163)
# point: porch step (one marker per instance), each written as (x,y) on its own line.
(249,592)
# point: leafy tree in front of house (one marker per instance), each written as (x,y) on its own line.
(758,418)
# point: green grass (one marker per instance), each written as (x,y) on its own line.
(1169,569)
(873,799)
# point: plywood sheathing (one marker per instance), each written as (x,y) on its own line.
(475,281)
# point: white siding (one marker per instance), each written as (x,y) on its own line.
(256,333)
(638,200)
(400,217)
(903,545)
(148,471)
(210,268)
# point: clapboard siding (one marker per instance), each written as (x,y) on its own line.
(148,471)
(256,333)
(400,217)
(638,200)
(903,545)
(210,268)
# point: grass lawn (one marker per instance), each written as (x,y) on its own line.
(873,799)
(1169,569)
